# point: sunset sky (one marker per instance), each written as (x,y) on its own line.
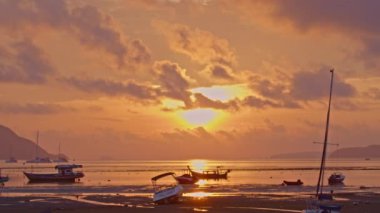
(182,79)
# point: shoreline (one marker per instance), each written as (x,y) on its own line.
(352,202)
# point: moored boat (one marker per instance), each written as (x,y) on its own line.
(3,179)
(336,178)
(210,174)
(292,183)
(65,174)
(166,194)
(186,179)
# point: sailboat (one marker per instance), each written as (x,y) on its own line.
(318,206)
(38,159)
(11,159)
(60,159)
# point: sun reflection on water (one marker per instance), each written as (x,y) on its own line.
(199,165)
(198,194)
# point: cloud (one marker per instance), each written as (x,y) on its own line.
(201,46)
(260,103)
(173,80)
(93,28)
(201,101)
(24,63)
(220,71)
(32,108)
(113,88)
(315,85)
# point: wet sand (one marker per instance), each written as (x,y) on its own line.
(352,203)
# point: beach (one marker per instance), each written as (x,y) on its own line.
(352,203)
(252,186)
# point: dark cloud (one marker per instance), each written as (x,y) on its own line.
(260,103)
(93,28)
(32,108)
(314,85)
(114,88)
(220,71)
(202,101)
(173,80)
(24,63)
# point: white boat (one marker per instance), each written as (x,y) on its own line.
(323,202)
(166,194)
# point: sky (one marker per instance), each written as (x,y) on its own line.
(176,79)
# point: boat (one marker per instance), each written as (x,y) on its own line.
(11,160)
(3,179)
(323,202)
(292,183)
(166,194)
(186,179)
(38,159)
(210,174)
(65,174)
(60,158)
(336,178)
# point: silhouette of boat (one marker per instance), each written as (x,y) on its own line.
(65,174)
(336,178)
(3,179)
(38,159)
(210,174)
(60,158)
(11,160)
(293,183)
(168,194)
(323,201)
(186,179)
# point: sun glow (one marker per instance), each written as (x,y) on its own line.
(198,165)
(207,118)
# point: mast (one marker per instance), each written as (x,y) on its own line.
(37,144)
(323,160)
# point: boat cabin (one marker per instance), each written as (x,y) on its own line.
(67,169)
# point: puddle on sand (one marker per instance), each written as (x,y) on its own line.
(266,209)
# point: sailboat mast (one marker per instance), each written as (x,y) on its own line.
(322,168)
(37,144)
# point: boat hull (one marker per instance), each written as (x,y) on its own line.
(292,183)
(336,179)
(168,195)
(186,179)
(4,179)
(53,177)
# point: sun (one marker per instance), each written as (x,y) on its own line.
(202,117)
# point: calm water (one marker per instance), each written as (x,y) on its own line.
(133,177)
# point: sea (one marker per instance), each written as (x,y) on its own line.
(133,178)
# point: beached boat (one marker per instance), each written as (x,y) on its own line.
(3,179)
(65,174)
(186,179)
(210,174)
(336,178)
(292,183)
(166,194)
(323,202)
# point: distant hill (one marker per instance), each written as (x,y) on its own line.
(22,148)
(297,155)
(372,151)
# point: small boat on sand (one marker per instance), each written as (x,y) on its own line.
(336,178)
(3,179)
(186,179)
(65,174)
(210,174)
(293,183)
(166,194)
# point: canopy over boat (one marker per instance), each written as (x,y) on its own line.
(68,166)
(162,175)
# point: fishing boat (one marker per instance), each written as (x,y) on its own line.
(166,194)
(186,179)
(65,174)
(210,174)
(323,202)
(292,183)
(336,178)
(11,160)
(3,179)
